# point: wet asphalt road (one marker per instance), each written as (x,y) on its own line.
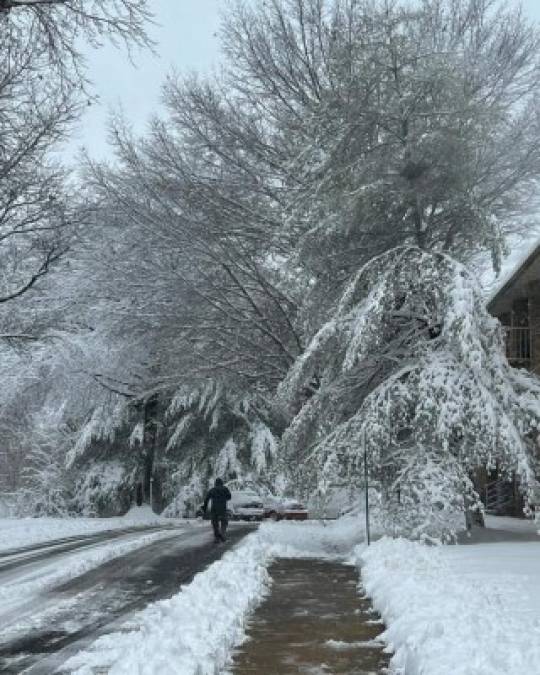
(98,601)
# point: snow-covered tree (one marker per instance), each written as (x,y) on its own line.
(42,81)
(199,433)
(46,487)
(35,215)
(212,279)
(412,365)
(55,28)
(338,133)
(371,124)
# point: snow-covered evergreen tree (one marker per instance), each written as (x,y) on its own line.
(201,432)
(413,363)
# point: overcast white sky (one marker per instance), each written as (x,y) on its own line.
(186,37)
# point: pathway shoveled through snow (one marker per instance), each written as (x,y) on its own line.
(312,622)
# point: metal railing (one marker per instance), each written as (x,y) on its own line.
(519,344)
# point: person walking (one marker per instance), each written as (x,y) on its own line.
(219,495)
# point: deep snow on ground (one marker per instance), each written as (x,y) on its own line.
(18,532)
(457,610)
(334,538)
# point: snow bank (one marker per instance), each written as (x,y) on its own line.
(193,632)
(18,532)
(315,538)
(457,610)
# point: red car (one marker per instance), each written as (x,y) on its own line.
(285,509)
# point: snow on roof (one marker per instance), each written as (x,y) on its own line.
(521,247)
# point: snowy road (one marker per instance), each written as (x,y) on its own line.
(19,557)
(59,596)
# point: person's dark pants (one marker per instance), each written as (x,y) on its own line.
(219,523)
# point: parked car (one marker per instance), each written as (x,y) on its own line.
(285,509)
(199,513)
(246,505)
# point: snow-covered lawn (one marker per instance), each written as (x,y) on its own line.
(18,532)
(457,610)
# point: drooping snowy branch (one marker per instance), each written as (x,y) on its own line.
(413,363)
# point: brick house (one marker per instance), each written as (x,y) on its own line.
(516,303)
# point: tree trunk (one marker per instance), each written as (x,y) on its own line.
(150,437)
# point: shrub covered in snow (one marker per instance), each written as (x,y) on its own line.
(103,488)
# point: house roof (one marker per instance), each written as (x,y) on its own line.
(523,251)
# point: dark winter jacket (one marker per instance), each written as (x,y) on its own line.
(219,495)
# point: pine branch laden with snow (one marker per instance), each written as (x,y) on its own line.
(137,435)
(413,361)
(263,447)
(202,431)
(216,432)
(104,488)
(104,423)
(189,406)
